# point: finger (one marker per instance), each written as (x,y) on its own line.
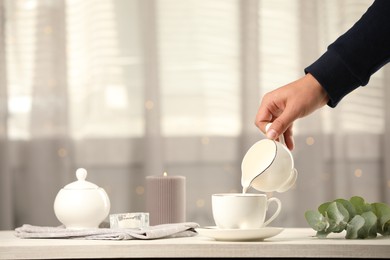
(268,110)
(262,119)
(271,133)
(288,138)
(280,125)
(267,126)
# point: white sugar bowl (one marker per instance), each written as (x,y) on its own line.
(81,204)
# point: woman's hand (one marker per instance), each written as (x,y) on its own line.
(284,105)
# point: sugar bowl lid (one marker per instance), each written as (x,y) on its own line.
(81,183)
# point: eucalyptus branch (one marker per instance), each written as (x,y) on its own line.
(358,218)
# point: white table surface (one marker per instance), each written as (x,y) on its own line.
(292,242)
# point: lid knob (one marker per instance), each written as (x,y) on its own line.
(81,174)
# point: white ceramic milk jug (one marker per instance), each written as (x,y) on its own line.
(268,166)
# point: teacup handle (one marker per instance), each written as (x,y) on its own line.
(277,201)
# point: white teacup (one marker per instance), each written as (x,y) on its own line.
(242,210)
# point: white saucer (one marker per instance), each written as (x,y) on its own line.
(257,234)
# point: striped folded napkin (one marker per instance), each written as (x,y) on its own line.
(186,229)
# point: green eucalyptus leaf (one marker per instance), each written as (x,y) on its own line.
(323,207)
(322,234)
(338,217)
(348,206)
(386,229)
(356,223)
(369,230)
(382,211)
(316,220)
(360,205)
(335,227)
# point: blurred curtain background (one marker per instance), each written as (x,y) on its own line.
(132,88)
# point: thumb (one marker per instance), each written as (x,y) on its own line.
(279,125)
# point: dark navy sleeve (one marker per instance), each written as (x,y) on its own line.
(349,62)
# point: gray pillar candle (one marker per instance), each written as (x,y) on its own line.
(166,199)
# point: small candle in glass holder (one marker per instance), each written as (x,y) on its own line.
(129,220)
